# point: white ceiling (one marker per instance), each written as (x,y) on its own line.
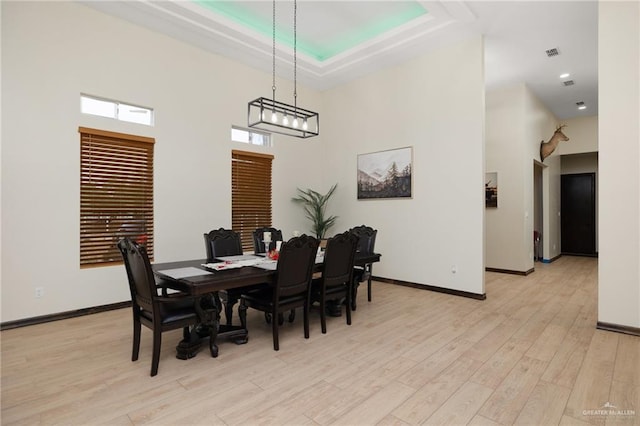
(516,34)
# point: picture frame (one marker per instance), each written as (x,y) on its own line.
(491,189)
(385,174)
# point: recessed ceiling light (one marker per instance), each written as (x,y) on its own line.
(581,105)
(565,75)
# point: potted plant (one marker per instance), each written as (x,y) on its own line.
(315,205)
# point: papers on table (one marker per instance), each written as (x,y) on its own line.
(233,262)
(271,265)
(221,266)
(240,258)
(183,272)
(267,264)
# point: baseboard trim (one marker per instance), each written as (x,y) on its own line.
(582,254)
(63,315)
(553,259)
(510,271)
(634,331)
(453,292)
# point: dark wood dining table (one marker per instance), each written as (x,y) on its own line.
(206,287)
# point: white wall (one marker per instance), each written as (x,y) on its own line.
(52,52)
(551,238)
(1,198)
(434,104)
(539,124)
(516,124)
(619,163)
(583,135)
(504,135)
(580,163)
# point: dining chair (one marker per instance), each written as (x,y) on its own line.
(158,313)
(337,275)
(291,287)
(226,242)
(366,245)
(258,239)
(259,248)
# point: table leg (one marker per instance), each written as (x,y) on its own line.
(189,345)
(208,311)
(208,308)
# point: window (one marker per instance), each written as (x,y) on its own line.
(116,110)
(250,136)
(250,193)
(116,194)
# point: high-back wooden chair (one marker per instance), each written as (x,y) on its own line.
(258,239)
(337,274)
(226,242)
(159,313)
(291,288)
(366,245)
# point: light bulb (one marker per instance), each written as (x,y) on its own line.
(263,115)
(274,117)
(304,125)
(285,119)
(295,122)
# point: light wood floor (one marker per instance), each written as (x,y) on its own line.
(529,354)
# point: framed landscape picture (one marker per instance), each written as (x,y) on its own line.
(491,189)
(385,174)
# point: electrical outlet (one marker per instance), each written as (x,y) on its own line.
(39,292)
(454,269)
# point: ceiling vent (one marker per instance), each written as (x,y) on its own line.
(552,52)
(568,83)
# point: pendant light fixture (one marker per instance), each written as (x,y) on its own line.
(278,117)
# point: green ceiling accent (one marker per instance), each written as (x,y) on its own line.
(320,50)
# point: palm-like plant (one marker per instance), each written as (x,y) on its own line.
(315,205)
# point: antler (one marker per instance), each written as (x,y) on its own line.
(559,128)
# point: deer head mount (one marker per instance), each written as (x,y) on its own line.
(546,148)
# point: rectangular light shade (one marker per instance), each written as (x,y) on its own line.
(277,117)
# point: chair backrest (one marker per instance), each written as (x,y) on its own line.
(339,257)
(142,283)
(295,266)
(258,235)
(367,235)
(222,242)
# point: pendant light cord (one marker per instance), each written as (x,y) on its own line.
(273,86)
(295,56)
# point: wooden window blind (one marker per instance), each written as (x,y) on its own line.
(116,194)
(250,193)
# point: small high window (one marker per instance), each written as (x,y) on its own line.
(116,110)
(238,134)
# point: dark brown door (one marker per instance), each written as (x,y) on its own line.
(578,213)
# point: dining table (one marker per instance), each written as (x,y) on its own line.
(204,280)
